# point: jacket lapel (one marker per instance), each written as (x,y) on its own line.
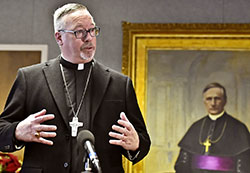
(54,80)
(101,77)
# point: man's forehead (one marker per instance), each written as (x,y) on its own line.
(214,92)
(75,19)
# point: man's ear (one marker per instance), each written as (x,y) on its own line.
(58,38)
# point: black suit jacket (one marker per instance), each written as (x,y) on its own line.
(41,86)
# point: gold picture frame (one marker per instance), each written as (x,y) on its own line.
(140,38)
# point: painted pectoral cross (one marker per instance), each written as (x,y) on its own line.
(74,124)
(207,144)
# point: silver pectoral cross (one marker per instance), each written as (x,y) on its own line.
(74,124)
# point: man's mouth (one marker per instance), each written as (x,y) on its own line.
(87,48)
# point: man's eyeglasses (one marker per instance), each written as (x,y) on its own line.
(79,34)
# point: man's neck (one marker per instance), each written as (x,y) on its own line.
(215,117)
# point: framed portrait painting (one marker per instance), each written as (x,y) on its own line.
(170,64)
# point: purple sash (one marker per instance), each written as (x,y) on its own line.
(215,163)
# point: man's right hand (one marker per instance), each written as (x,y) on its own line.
(31,129)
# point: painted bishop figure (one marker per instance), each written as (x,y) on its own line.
(217,142)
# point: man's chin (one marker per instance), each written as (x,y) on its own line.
(86,58)
(214,112)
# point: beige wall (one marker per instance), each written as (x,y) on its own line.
(10,62)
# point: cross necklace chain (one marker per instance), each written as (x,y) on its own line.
(74,124)
(208,142)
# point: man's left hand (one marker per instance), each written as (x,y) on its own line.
(125,135)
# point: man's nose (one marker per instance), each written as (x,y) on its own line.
(213,102)
(87,37)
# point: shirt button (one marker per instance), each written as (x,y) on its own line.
(7,147)
(65,165)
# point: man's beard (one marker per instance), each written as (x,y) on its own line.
(86,57)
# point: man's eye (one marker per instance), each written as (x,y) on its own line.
(79,32)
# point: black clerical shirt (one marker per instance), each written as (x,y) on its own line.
(76,81)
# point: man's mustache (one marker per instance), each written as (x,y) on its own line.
(86,45)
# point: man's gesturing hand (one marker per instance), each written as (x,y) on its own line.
(31,129)
(126,135)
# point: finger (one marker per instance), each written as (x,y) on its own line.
(40,113)
(123,116)
(119,129)
(116,135)
(125,122)
(45,141)
(44,118)
(47,134)
(116,142)
(127,126)
(46,128)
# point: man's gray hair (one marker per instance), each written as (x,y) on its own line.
(65,10)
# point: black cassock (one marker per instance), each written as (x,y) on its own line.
(228,149)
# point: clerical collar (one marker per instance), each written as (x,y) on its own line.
(68,64)
(215,117)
